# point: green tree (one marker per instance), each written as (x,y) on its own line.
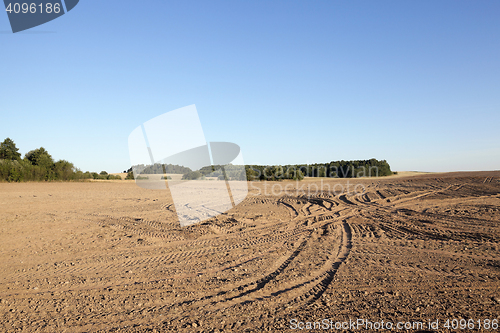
(9,151)
(40,157)
(43,160)
(251,173)
(78,175)
(64,170)
(294,173)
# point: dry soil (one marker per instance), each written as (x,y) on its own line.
(111,257)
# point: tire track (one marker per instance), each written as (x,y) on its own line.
(344,251)
(160,260)
(312,289)
(294,211)
(257,285)
(344,199)
(260,284)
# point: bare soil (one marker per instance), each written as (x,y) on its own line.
(110,256)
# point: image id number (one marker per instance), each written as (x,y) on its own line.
(33,8)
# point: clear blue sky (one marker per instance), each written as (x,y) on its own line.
(414,82)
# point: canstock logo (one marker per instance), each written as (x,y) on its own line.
(214,178)
(26,14)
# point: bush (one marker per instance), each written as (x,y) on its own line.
(38,165)
(64,170)
(192,175)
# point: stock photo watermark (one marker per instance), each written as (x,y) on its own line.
(215,178)
(176,138)
(276,180)
(24,15)
(297,189)
(363,324)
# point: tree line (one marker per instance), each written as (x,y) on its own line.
(334,169)
(38,165)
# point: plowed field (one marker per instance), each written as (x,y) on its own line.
(111,257)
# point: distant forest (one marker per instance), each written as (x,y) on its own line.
(334,169)
(38,165)
(158,168)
